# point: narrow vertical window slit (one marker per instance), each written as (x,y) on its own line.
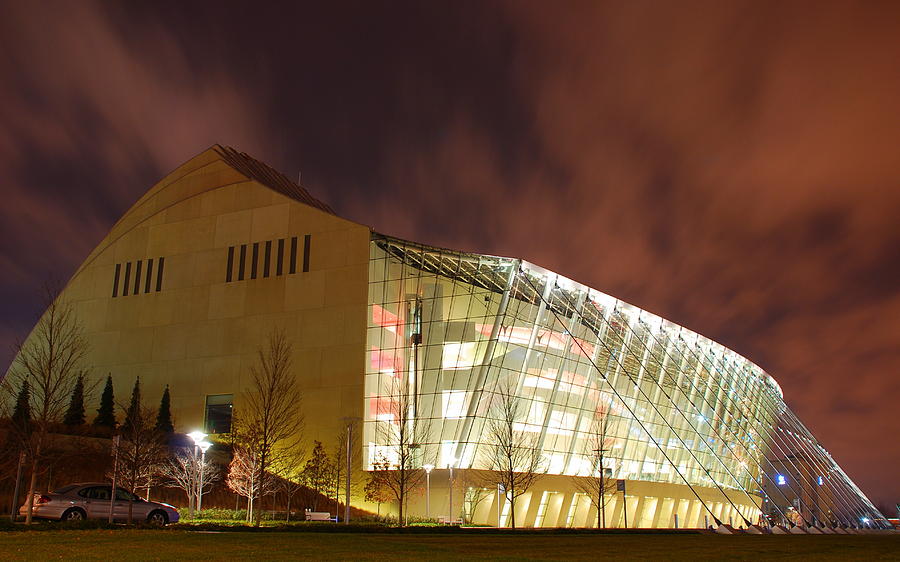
(293,268)
(149,275)
(116,281)
(127,279)
(306,252)
(266,258)
(254,260)
(137,278)
(159,274)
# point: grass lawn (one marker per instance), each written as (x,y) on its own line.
(122,545)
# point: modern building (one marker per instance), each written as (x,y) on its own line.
(222,251)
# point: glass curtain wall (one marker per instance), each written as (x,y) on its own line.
(450,334)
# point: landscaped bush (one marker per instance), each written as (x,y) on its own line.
(220,514)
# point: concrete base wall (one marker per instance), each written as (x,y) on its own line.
(556,501)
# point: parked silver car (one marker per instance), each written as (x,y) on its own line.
(91,501)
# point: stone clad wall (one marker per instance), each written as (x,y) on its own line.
(198,333)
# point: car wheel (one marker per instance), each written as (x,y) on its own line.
(73,514)
(158,518)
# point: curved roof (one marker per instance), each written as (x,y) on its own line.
(268,176)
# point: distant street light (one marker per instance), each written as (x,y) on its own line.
(428,468)
(204,445)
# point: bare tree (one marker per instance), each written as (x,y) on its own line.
(50,360)
(474,495)
(512,453)
(400,453)
(599,485)
(141,451)
(271,412)
(185,469)
(289,472)
(246,479)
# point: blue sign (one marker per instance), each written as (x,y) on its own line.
(780,479)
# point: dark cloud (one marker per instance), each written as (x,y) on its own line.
(730,166)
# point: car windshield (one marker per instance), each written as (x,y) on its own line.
(65,489)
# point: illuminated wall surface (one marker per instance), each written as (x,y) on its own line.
(451,328)
(188,283)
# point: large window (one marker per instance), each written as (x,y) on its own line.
(218,413)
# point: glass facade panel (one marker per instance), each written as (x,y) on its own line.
(447,329)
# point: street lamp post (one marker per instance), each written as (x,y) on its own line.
(450,466)
(112,496)
(204,445)
(197,437)
(428,468)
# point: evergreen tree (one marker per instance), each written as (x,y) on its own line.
(75,413)
(132,415)
(317,473)
(164,417)
(106,413)
(21,417)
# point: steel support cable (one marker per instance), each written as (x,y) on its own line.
(774,440)
(781,437)
(854,497)
(650,435)
(849,484)
(786,436)
(883,524)
(678,436)
(782,442)
(710,424)
(712,427)
(727,402)
(734,403)
(675,432)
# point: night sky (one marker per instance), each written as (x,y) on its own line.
(733,167)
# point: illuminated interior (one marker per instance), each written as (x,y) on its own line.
(448,328)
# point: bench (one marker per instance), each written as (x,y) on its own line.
(319,516)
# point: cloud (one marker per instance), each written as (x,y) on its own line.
(91,119)
(731,167)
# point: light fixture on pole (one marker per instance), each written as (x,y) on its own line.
(428,468)
(112,497)
(204,445)
(197,437)
(450,463)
